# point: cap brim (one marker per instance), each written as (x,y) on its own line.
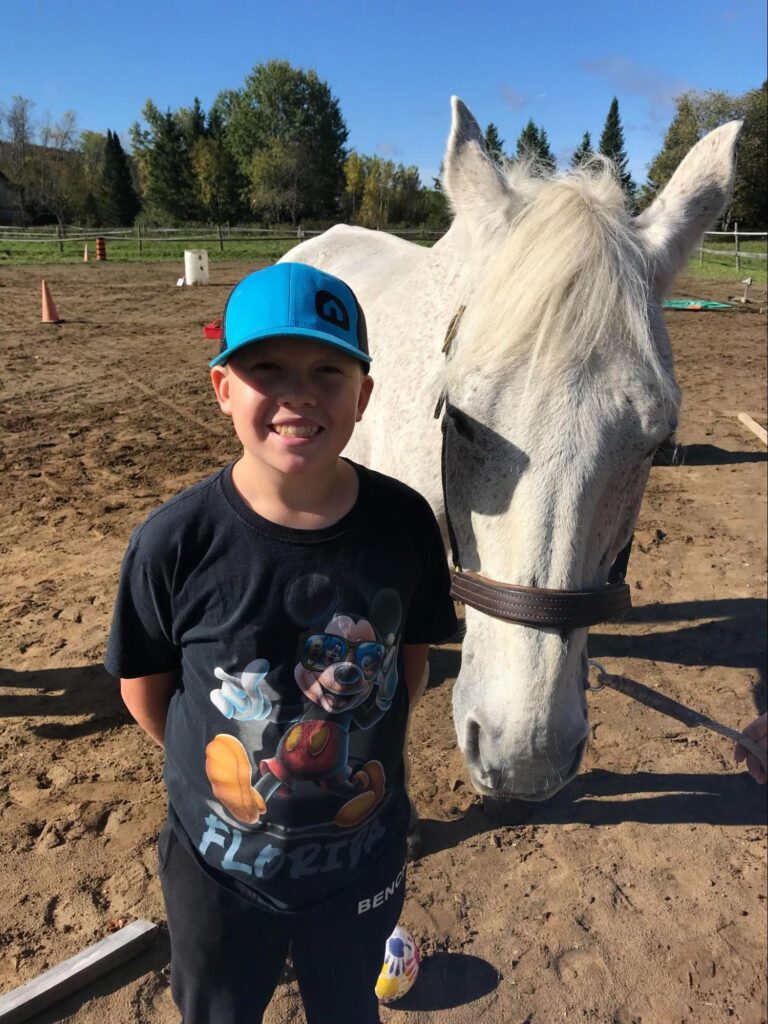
(302,332)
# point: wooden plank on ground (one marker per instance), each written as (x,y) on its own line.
(49,987)
(754,427)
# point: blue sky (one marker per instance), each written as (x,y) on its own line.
(392,64)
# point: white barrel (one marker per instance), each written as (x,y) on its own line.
(195,266)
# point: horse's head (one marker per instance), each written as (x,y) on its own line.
(560,386)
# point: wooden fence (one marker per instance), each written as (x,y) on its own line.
(222,237)
(737,253)
(218,236)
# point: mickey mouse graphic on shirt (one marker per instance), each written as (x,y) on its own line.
(346,669)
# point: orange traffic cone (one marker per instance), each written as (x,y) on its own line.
(85,253)
(50,315)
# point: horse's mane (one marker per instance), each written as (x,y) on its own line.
(568,281)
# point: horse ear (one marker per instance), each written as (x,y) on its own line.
(473,183)
(692,200)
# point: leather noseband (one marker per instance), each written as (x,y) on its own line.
(537,606)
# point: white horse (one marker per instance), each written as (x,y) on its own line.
(561,386)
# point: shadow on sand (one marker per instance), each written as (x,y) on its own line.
(88,694)
(735,637)
(711,455)
(447,980)
(599,798)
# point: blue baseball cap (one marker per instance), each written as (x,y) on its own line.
(293,299)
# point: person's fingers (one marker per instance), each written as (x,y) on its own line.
(756,770)
(740,753)
(757,730)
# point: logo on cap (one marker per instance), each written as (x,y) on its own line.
(332,310)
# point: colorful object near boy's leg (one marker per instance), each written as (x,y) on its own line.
(400,967)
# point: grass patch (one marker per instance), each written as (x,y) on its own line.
(126,251)
(723,268)
(12,253)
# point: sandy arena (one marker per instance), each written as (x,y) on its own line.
(637,897)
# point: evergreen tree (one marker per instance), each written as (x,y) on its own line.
(546,156)
(192,123)
(612,146)
(583,151)
(533,142)
(527,141)
(494,143)
(118,202)
(165,167)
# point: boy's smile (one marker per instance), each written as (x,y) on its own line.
(293,402)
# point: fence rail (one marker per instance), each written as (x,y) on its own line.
(218,236)
(737,253)
(224,236)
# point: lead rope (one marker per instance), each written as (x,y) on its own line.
(672,708)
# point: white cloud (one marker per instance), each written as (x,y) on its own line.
(513,97)
(656,87)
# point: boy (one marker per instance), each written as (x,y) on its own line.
(270,624)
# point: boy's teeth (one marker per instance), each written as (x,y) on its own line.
(289,430)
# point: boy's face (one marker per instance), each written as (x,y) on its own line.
(293,402)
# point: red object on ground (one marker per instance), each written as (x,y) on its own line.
(213,330)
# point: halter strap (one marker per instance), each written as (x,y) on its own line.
(537,606)
(530,606)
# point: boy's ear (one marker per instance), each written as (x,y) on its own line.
(364,396)
(220,381)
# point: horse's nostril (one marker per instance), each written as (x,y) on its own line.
(472,740)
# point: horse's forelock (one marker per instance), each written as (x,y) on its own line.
(569,279)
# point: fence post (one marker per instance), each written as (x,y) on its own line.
(221,240)
(60,236)
(736,236)
(701,249)
(138,237)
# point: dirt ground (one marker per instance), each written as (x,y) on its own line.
(637,897)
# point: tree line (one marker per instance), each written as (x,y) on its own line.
(275,151)
(533,144)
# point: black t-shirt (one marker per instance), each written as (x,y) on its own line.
(284,736)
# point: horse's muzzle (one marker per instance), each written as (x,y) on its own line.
(523,779)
